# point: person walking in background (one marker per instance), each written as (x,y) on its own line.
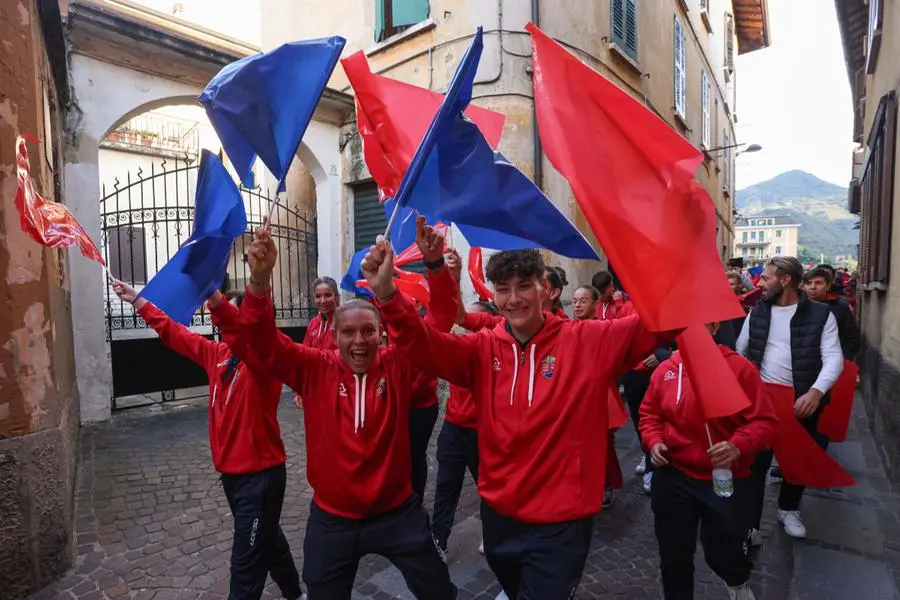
(611,304)
(792,341)
(817,284)
(685,448)
(556,278)
(245,441)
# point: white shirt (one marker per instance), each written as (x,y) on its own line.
(776,364)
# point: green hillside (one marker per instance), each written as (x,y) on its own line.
(826,227)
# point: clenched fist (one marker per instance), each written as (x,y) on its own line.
(429,241)
(262,256)
(378,269)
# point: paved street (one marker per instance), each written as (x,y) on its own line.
(152,522)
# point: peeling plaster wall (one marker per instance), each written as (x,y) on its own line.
(38,398)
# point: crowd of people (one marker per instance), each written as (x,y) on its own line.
(531,392)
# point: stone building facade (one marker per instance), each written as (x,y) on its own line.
(39,406)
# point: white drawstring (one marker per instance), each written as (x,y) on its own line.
(237,373)
(531,379)
(605,306)
(359,419)
(512,391)
(678,394)
(215,389)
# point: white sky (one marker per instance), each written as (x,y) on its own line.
(794,97)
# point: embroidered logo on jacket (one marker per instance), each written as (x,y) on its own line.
(496,364)
(342,389)
(548,365)
(380,388)
(669,376)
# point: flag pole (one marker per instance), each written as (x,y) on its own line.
(387,230)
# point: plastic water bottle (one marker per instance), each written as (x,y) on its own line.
(723,485)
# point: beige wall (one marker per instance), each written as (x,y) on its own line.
(788,241)
(503,82)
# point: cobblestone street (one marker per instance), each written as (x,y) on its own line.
(152,522)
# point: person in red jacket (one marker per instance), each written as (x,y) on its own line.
(356,418)
(246,445)
(534,380)
(685,448)
(556,283)
(320,332)
(612,303)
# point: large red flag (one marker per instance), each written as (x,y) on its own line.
(802,460)
(633,177)
(835,419)
(719,396)
(393,117)
(50,224)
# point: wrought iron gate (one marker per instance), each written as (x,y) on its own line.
(145,219)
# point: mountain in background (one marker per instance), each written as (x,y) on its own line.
(826,227)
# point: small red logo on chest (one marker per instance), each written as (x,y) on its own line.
(669,376)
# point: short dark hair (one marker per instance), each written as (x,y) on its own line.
(356,305)
(237,296)
(819,272)
(556,277)
(787,265)
(487,306)
(595,293)
(828,268)
(525,264)
(602,280)
(326,281)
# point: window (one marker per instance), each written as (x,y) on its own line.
(127,257)
(876,21)
(762,236)
(778,233)
(623,24)
(729,46)
(744,237)
(726,170)
(777,250)
(393,16)
(752,235)
(680,72)
(877,184)
(704,96)
(704,15)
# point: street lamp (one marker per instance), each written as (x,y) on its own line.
(750,148)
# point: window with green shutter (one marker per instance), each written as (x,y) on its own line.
(623,24)
(393,16)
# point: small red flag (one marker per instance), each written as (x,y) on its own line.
(614,479)
(720,395)
(392,118)
(476,274)
(50,224)
(835,419)
(802,460)
(615,408)
(413,285)
(633,177)
(412,253)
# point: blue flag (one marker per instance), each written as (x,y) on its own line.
(354,274)
(456,177)
(198,268)
(262,104)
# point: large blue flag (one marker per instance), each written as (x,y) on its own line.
(261,105)
(198,267)
(455,176)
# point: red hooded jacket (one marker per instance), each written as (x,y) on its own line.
(461,408)
(244,435)
(320,333)
(541,421)
(614,310)
(357,426)
(672,415)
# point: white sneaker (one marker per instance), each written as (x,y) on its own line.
(793,525)
(741,592)
(755,537)
(648,480)
(641,466)
(481,549)
(442,552)
(502,596)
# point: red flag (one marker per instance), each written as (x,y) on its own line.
(615,408)
(50,224)
(614,479)
(633,177)
(476,274)
(749,299)
(720,395)
(412,253)
(802,460)
(835,419)
(413,285)
(392,118)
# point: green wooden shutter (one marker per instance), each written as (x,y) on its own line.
(408,12)
(379,19)
(623,24)
(617,22)
(368,216)
(631,36)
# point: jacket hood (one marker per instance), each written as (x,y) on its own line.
(552,325)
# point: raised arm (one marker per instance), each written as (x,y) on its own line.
(623,343)
(443,293)
(439,354)
(258,339)
(174,336)
(226,317)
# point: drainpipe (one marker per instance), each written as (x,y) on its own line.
(536,138)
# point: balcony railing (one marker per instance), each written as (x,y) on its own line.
(149,132)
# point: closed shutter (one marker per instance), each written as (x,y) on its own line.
(408,12)
(623,24)
(379,19)
(368,216)
(679,69)
(729,46)
(704,92)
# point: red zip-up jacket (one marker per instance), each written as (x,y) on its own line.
(461,408)
(541,421)
(320,333)
(357,426)
(614,310)
(244,435)
(672,415)
(440,316)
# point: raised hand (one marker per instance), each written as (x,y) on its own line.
(262,256)
(429,241)
(125,292)
(454,263)
(378,269)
